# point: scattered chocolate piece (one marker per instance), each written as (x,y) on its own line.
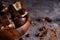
(27,35)
(34,23)
(43,34)
(44,19)
(48,19)
(42,28)
(37,34)
(21,39)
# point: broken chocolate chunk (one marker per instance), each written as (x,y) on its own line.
(48,19)
(42,29)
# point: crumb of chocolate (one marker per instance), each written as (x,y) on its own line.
(48,19)
(44,19)
(20,38)
(42,29)
(37,34)
(27,35)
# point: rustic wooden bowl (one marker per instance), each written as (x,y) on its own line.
(12,34)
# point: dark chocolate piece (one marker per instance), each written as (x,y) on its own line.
(27,35)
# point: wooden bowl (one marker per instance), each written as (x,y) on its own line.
(12,34)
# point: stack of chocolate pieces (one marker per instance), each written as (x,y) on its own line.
(12,15)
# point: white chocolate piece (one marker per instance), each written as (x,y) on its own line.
(17,5)
(25,14)
(11,25)
(23,18)
(2,27)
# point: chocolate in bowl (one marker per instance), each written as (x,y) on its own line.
(14,33)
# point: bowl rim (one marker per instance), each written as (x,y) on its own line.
(23,29)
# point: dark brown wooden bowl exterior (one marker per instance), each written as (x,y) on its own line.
(22,30)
